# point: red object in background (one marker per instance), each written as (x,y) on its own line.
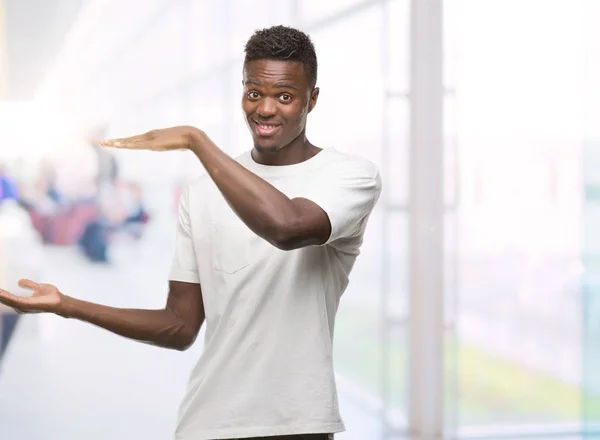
(65,228)
(38,221)
(68,227)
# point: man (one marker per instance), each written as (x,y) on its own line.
(265,245)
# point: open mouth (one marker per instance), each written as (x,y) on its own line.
(266,129)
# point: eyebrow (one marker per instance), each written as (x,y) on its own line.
(286,86)
(279,85)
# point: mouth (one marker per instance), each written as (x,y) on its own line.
(266,130)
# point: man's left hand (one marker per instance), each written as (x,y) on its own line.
(167,139)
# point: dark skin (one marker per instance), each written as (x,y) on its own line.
(279,93)
(276,93)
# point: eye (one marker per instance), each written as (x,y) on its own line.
(252,95)
(286,97)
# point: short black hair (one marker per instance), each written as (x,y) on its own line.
(283,43)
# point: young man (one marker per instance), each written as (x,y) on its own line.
(265,245)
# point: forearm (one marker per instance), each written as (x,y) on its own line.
(261,206)
(156,327)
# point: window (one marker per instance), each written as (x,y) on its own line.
(518,347)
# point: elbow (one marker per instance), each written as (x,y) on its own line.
(282,238)
(291,241)
(178,334)
(181,338)
(182,342)
(181,347)
(284,245)
(291,236)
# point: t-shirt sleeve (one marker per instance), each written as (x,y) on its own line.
(184,266)
(348,193)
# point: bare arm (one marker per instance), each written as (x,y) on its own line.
(175,326)
(286,223)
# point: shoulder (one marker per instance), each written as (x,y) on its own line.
(349,166)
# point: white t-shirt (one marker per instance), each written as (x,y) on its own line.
(267,364)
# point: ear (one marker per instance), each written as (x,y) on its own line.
(314,96)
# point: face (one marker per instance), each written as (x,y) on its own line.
(277,100)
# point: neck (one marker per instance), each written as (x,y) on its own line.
(297,151)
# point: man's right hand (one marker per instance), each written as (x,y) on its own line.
(45,298)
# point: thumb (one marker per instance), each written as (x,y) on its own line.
(28,284)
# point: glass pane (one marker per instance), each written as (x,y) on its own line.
(394,171)
(590,288)
(396,267)
(451,154)
(518,337)
(395,361)
(395,311)
(398,25)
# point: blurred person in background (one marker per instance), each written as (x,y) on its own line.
(96,236)
(134,212)
(127,215)
(264,247)
(8,185)
(43,195)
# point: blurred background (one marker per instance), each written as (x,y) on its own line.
(473,310)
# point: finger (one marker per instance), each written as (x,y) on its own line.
(140,145)
(119,142)
(10,300)
(122,144)
(28,284)
(20,302)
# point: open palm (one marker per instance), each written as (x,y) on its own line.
(45,298)
(166,139)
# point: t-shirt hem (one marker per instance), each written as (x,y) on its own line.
(184,276)
(262,431)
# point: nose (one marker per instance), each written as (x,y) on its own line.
(267,107)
